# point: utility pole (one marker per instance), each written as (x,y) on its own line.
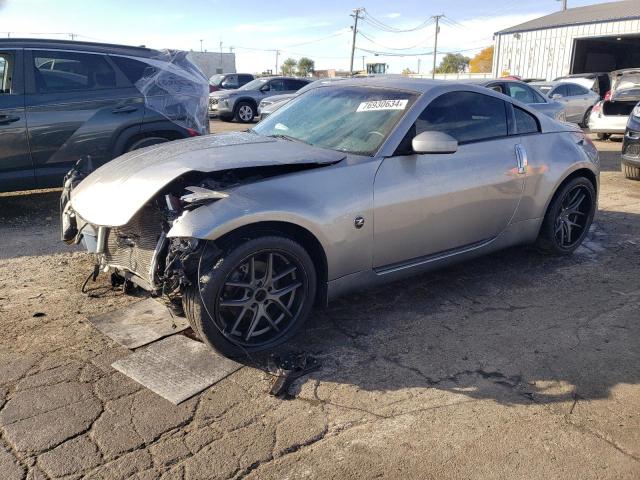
(564,4)
(435,44)
(277,55)
(363,67)
(73,36)
(419,59)
(356,16)
(201,45)
(221,66)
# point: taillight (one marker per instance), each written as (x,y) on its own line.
(213,88)
(607,96)
(597,108)
(192,132)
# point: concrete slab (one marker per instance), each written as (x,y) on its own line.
(139,324)
(176,368)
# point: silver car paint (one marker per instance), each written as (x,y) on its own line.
(142,173)
(393,242)
(576,106)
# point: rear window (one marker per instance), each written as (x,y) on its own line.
(134,70)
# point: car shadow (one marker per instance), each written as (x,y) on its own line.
(30,224)
(515,327)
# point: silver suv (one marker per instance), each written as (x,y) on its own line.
(242,104)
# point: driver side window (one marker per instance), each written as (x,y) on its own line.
(466,116)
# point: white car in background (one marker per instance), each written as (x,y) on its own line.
(610,116)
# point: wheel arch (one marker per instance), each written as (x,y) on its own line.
(250,100)
(579,172)
(294,232)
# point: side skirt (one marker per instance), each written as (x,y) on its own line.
(520,233)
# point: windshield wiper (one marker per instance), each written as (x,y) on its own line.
(288,137)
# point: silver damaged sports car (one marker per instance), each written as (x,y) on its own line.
(347,186)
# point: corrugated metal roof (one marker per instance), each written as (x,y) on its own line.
(601,12)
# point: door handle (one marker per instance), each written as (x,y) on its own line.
(124,109)
(522,159)
(6,119)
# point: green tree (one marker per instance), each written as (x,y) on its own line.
(407,71)
(453,63)
(289,66)
(305,66)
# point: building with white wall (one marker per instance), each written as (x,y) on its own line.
(595,38)
(211,63)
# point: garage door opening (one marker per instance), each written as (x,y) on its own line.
(604,54)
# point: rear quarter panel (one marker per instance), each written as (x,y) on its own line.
(552,157)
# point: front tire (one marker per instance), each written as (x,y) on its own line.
(245,112)
(603,136)
(255,296)
(585,119)
(568,217)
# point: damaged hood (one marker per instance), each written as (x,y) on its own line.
(113,193)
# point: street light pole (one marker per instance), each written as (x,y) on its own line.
(435,44)
(277,54)
(356,17)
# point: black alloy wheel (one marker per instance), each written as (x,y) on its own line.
(568,218)
(573,217)
(253,297)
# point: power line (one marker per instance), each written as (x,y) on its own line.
(370,19)
(362,34)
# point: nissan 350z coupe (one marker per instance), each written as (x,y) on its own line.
(347,186)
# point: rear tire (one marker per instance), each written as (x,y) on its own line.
(631,172)
(238,305)
(146,142)
(585,120)
(603,136)
(568,218)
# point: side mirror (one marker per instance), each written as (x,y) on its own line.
(265,88)
(556,96)
(434,142)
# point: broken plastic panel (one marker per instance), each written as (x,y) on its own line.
(174,87)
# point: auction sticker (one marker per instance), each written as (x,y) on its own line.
(376,105)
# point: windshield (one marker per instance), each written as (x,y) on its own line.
(544,88)
(216,80)
(348,119)
(626,87)
(254,84)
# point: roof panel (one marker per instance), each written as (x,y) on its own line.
(601,12)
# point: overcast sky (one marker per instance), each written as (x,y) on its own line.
(317,29)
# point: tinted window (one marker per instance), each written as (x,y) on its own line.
(134,70)
(575,90)
(231,81)
(245,78)
(521,93)
(277,85)
(466,116)
(561,90)
(295,84)
(68,72)
(497,88)
(525,122)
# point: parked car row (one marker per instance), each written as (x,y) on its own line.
(241,104)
